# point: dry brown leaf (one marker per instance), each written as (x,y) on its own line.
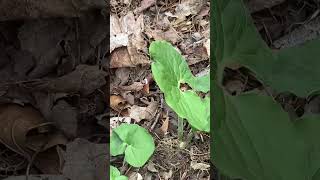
(133,28)
(207,46)
(165,126)
(151,167)
(204,11)
(120,58)
(136,56)
(145,4)
(139,113)
(135,176)
(122,74)
(170,35)
(16,122)
(146,88)
(117,103)
(197,54)
(117,38)
(189,7)
(137,40)
(136,86)
(128,97)
(84,79)
(25,132)
(132,55)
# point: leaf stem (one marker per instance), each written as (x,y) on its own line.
(180,128)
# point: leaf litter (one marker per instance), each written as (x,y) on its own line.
(185,24)
(52,85)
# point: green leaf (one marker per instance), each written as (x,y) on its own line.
(308,127)
(253,137)
(138,143)
(169,70)
(115,174)
(239,43)
(257,140)
(117,146)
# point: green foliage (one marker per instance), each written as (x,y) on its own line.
(238,42)
(254,139)
(115,174)
(170,70)
(134,142)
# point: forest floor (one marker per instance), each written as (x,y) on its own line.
(135,97)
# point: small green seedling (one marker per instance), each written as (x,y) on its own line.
(170,71)
(115,174)
(134,142)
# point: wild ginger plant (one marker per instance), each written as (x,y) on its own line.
(253,137)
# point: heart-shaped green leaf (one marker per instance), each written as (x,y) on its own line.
(170,70)
(237,42)
(115,174)
(253,137)
(134,141)
(257,140)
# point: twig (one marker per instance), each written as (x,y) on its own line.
(156,121)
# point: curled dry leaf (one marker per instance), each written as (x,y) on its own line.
(165,126)
(131,28)
(25,132)
(117,103)
(139,113)
(121,58)
(16,122)
(136,86)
